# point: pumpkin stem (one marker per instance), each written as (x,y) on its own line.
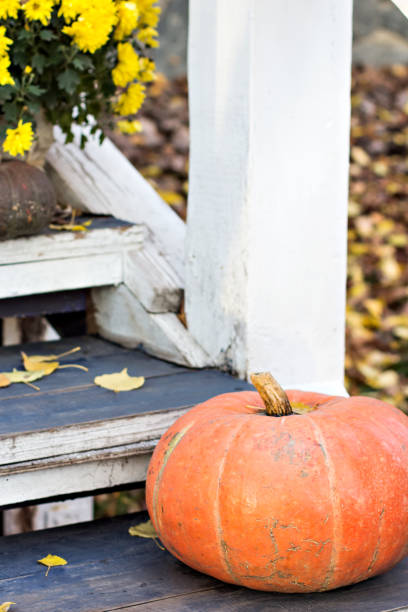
(273,396)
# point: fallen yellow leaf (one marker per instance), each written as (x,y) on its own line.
(300,408)
(4,607)
(4,382)
(119,381)
(20,376)
(34,365)
(71,227)
(43,363)
(52,561)
(145,530)
(54,357)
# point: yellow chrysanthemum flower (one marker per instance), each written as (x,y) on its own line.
(149,14)
(147,36)
(9,8)
(28,70)
(5,76)
(95,22)
(130,101)
(128,15)
(5,42)
(19,140)
(38,10)
(70,9)
(128,65)
(129,127)
(146,70)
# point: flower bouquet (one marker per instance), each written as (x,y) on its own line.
(65,62)
(76,61)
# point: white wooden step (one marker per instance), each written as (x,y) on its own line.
(62,260)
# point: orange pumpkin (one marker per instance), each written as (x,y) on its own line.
(303,502)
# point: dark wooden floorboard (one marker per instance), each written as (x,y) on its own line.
(69,396)
(109,570)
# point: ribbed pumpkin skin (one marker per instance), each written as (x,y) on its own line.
(299,503)
(27,200)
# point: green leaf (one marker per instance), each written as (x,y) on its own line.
(6,91)
(24,34)
(34,107)
(82,62)
(68,80)
(38,62)
(47,34)
(35,90)
(10,112)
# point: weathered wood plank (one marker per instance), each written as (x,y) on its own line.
(101,180)
(121,236)
(121,317)
(70,414)
(92,417)
(74,474)
(109,570)
(267,222)
(44,303)
(155,284)
(61,274)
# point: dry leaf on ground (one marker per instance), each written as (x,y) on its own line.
(145,530)
(43,363)
(299,408)
(4,382)
(119,381)
(70,227)
(4,607)
(20,376)
(34,365)
(52,561)
(35,358)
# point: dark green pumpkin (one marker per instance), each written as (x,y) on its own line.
(27,200)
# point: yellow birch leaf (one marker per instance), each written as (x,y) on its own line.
(119,381)
(20,376)
(71,227)
(4,382)
(39,366)
(52,561)
(4,607)
(35,363)
(145,530)
(300,408)
(54,357)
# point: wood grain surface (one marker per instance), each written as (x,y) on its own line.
(109,570)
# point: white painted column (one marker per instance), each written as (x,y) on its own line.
(266,238)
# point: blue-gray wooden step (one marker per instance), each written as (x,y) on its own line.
(110,570)
(73,436)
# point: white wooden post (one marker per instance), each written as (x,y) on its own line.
(266,237)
